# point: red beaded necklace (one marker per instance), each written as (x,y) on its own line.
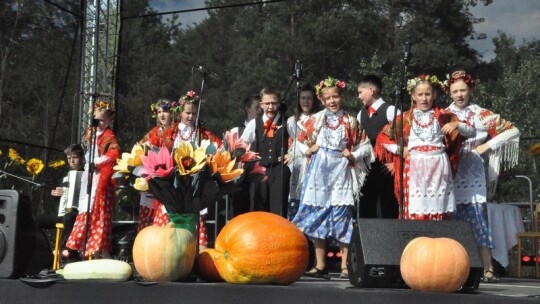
(424,125)
(186,138)
(327,124)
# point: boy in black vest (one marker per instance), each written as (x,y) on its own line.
(267,137)
(378,198)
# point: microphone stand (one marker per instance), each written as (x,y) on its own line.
(91,168)
(400,97)
(2,173)
(196,138)
(282,110)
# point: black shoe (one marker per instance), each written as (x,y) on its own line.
(70,255)
(317,273)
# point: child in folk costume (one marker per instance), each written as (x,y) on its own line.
(494,136)
(162,135)
(264,134)
(431,140)
(190,133)
(296,157)
(377,198)
(106,151)
(66,214)
(339,155)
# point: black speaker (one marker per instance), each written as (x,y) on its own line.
(377,244)
(17,234)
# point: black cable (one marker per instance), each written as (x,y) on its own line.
(205,8)
(66,78)
(63,9)
(29,144)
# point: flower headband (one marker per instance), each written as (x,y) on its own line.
(165,105)
(327,83)
(103,106)
(459,75)
(190,97)
(432,79)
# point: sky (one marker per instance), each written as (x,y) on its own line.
(517,18)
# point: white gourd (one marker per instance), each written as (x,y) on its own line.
(104,269)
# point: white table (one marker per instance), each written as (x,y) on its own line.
(504,221)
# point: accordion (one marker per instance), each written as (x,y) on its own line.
(72,187)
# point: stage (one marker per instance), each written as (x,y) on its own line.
(307,290)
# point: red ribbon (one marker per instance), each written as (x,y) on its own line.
(270,128)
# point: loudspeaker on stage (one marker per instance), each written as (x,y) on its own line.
(19,238)
(377,244)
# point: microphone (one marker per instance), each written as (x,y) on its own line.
(298,69)
(207,72)
(407,52)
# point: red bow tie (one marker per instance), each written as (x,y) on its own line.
(270,128)
(371,111)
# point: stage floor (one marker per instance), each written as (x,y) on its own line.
(306,290)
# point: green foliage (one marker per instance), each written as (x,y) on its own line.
(251,47)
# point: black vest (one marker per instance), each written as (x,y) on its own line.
(374,124)
(269,148)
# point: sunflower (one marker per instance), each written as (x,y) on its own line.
(34,166)
(14,156)
(222,163)
(129,161)
(189,161)
(55,164)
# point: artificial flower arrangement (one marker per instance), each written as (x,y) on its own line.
(189,179)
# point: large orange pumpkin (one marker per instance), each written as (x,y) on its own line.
(164,253)
(261,248)
(207,265)
(434,264)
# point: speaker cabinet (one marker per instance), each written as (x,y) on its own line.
(17,234)
(377,244)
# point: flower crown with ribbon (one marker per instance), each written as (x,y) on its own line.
(165,105)
(456,76)
(327,83)
(431,79)
(190,97)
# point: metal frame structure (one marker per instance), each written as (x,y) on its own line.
(100,35)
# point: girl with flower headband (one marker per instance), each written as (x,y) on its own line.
(495,137)
(102,194)
(338,151)
(162,135)
(296,157)
(188,132)
(431,140)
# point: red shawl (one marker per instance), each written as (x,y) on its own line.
(452,142)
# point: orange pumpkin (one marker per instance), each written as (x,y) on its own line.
(164,253)
(207,265)
(261,248)
(434,264)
